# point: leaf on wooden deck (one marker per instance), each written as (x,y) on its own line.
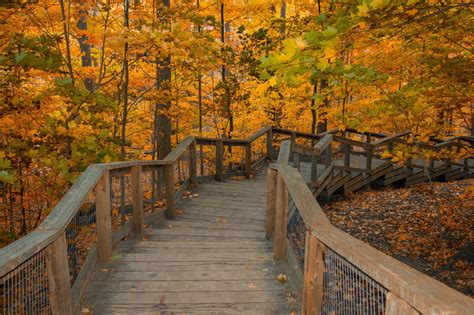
(282,278)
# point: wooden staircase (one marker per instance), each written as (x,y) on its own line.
(339,164)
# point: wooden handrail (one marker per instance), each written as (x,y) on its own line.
(389,138)
(258,134)
(413,288)
(174,155)
(323,144)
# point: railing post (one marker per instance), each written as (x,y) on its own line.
(271,203)
(104,220)
(270,144)
(219,157)
(314,167)
(368,161)
(59,282)
(297,160)
(328,156)
(347,155)
(313,275)
(192,164)
(248,159)
(281,220)
(293,139)
(169,183)
(137,200)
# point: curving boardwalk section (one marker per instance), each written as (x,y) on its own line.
(212,258)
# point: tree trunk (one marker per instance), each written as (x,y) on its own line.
(163,121)
(85,47)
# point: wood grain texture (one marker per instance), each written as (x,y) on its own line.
(58,277)
(397,306)
(137,200)
(281,220)
(271,203)
(104,212)
(212,256)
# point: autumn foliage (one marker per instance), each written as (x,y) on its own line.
(96,81)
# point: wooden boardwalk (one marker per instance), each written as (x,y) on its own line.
(104,249)
(213,258)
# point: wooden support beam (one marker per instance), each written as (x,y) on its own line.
(169,184)
(59,283)
(270,144)
(104,217)
(314,167)
(397,306)
(297,160)
(192,164)
(271,203)
(347,155)
(281,220)
(313,275)
(137,200)
(248,160)
(219,158)
(293,139)
(328,153)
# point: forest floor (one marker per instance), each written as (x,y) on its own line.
(429,227)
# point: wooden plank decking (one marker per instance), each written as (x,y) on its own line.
(213,258)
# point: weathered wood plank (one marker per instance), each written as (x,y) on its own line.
(281,219)
(58,277)
(285,151)
(183,276)
(323,144)
(219,158)
(185,286)
(187,297)
(313,276)
(205,232)
(170,194)
(104,213)
(174,155)
(271,203)
(397,306)
(137,200)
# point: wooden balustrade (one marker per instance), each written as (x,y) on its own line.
(408,291)
(283,181)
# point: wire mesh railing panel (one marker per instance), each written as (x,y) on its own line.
(181,167)
(206,160)
(233,159)
(348,290)
(81,235)
(259,149)
(121,199)
(153,190)
(296,232)
(24,290)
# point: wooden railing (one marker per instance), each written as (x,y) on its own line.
(343,275)
(47,270)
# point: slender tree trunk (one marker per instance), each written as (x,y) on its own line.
(283,17)
(126,76)
(163,120)
(322,125)
(85,47)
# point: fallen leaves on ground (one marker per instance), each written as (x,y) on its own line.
(429,227)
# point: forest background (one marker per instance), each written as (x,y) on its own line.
(91,81)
